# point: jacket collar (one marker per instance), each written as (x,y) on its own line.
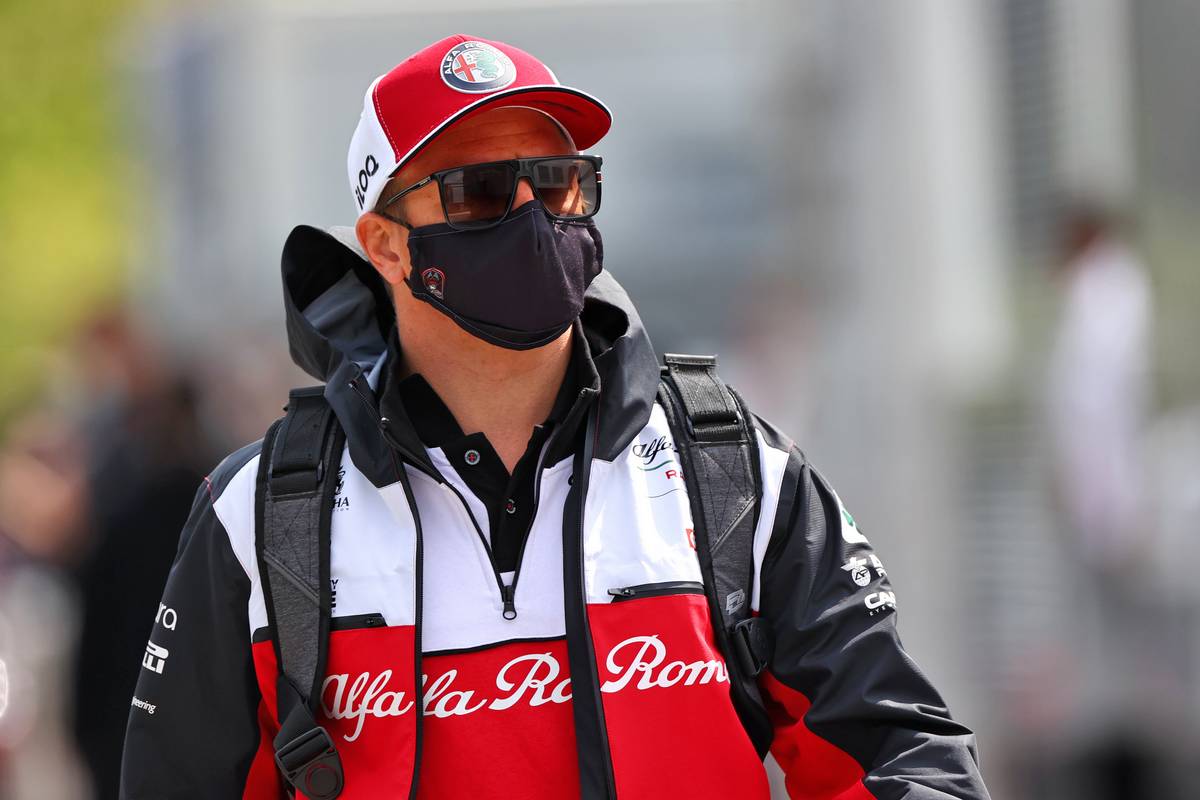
(338,314)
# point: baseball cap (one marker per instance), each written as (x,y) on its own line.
(449,81)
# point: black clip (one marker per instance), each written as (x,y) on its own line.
(753,645)
(311,764)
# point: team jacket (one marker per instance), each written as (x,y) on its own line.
(605,683)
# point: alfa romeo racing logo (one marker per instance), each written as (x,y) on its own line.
(435,282)
(477,68)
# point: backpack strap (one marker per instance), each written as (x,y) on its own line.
(718,449)
(293,506)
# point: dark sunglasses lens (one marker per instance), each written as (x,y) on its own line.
(567,187)
(477,195)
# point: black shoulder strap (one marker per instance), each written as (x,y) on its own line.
(294,502)
(718,450)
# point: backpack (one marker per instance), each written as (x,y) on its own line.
(717,448)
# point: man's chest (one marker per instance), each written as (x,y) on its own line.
(636,532)
(503,681)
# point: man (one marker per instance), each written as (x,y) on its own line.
(1098,388)
(511,522)
(1097,403)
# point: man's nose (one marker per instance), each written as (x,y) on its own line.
(524,192)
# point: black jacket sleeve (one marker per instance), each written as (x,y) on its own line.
(854,718)
(193,729)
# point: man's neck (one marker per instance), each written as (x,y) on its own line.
(499,392)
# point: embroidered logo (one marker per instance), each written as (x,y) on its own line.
(857,567)
(434,281)
(658,456)
(477,68)
(340,503)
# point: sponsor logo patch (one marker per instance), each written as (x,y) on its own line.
(639,663)
(369,168)
(859,570)
(477,68)
(649,453)
(734,601)
(658,456)
(340,503)
(857,567)
(434,281)
(166,617)
(877,602)
(149,708)
(155,658)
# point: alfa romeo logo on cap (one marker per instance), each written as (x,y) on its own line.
(476,68)
(435,282)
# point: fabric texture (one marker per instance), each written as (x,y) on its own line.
(518,285)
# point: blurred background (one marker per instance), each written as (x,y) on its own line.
(949,245)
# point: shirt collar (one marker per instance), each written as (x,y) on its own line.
(435,425)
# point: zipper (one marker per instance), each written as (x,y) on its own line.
(384,425)
(506,593)
(510,591)
(356,622)
(537,496)
(656,590)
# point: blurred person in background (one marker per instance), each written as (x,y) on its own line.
(43,529)
(1098,389)
(87,488)
(493,382)
(1097,395)
(145,453)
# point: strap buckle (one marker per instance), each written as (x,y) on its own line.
(311,764)
(752,644)
(296,464)
(711,413)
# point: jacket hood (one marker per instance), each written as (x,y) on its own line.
(339,314)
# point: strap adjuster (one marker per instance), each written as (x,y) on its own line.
(311,764)
(296,465)
(711,414)
(752,644)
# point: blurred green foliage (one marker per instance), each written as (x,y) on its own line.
(64,179)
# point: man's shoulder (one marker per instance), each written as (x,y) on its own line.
(771,436)
(230,467)
(798,485)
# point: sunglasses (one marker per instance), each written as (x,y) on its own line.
(479,196)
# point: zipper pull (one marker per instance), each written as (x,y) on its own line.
(510,608)
(622,591)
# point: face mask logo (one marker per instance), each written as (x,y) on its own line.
(435,282)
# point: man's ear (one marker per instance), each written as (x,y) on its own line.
(386,246)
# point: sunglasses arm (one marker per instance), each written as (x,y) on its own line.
(423,182)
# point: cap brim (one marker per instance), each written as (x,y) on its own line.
(584,117)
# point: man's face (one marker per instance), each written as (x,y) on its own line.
(495,135)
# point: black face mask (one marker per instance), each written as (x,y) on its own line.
(518,285)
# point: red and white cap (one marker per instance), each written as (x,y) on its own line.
(449,81)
